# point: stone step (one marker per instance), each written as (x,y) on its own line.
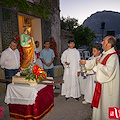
(58,70)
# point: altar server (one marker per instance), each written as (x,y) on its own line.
(37,54)
(90,85)
(70,60)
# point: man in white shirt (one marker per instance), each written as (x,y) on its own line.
(10,60)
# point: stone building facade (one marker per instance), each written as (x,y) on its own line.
(65,37)
(55,26)
(12,22)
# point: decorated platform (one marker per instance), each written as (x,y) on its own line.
(29,102)
(22,79)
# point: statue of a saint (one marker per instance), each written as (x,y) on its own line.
(28,46)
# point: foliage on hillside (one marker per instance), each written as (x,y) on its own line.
(41,9)
(82,35)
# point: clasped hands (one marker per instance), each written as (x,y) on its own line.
(48,64)
(97,61)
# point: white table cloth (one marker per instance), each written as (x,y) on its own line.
(22,93)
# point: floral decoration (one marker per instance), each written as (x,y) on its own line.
(35,72)
(53,46)
(19,47)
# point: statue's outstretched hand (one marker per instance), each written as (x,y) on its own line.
(29,41)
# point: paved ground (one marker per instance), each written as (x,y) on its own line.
(63,110)
(71,110)
(6,110)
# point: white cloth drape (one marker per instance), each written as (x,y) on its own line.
(22,93)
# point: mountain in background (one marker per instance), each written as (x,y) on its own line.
(112,24)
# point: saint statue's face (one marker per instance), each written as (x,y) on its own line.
(28,32)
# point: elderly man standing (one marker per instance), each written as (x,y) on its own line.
(107,80)
(10,60)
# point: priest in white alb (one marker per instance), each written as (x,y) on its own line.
(107,80)
(70,60)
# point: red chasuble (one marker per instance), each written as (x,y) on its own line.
(98,87)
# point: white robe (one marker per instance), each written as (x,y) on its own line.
(38,60)
(108,76)
(71,85)
(90,85)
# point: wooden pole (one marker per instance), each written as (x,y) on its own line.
(49,83)
(56,80)
(5,80)
(46,83)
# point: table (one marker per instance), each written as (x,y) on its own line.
(29,102)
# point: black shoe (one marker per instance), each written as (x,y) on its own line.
(76,99)
(67,99)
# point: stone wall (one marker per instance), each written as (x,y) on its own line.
(65,37)
(8,28)
(64,43)
(46,30)
(53,29)
(2,85)
(55,26)
(55,32)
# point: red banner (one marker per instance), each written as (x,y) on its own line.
(114,113)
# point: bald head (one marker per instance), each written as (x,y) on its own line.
(108,42)
(112,40)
